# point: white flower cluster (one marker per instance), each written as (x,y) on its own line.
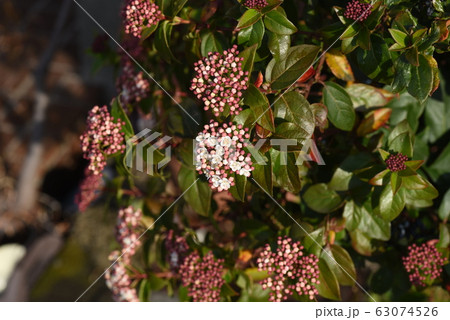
(219,154)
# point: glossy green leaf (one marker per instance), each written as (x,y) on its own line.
(421,79)
(285,171)
(371,223)
(339,105)
(249,58)
(376,63)
(263,175)
(328,287)
(162,41)
(198,194)
(387,204)
(117,112)
(322,199)
(252,34)
(278,23)
(294,108)
(260,106)
(278,45)
(399,37)
(444,208)
(287,71)
(340,262)
(211,42)
(238,190)
(249,17)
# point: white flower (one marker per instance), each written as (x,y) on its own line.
(226,142)
(215,181)
(202,151)
(235,165)
(215,159)
(225,184)
(200,137)
(244,172)
(219,150)
(211,141)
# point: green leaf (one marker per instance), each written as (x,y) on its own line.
(351,31)
(199,193)
(384,154)
(211,42)
(399,37)
(287,71)
(444,236)
(340,262)
(371,224)
(387,204)
(364,39)
(370,96)
(148,31)
(238,190)
(362,243)
(249,17)
(396,182)
(444,208)
(328,287)
(376,63)
(144,291)
(402,75)
(322,199)
(278,45)
(294,108)
(117,112)
(285,171)
(252,35)
(402,143)
(414,182)
(162,41)
(340,106)
(352,217)
(263,175)
(260,106)
(156,284)
(421,79)
(428,193)
(249,58)
(278,23)
(170,8)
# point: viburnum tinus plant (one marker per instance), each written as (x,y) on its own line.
(308,150)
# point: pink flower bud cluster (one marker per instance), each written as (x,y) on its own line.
(89,190)
(357,10)
(177,249)
(202,277)
(423,263)
(128,222)
(132,84)
(289,270)
(102,137)
(119,281)
(220,80)
(219,154)
(255,4)
(396,162)
(140,14)
(117,278)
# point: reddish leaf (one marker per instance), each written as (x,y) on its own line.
(307,75)
(259,80)
(374,121)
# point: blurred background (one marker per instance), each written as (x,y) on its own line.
(48,251)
